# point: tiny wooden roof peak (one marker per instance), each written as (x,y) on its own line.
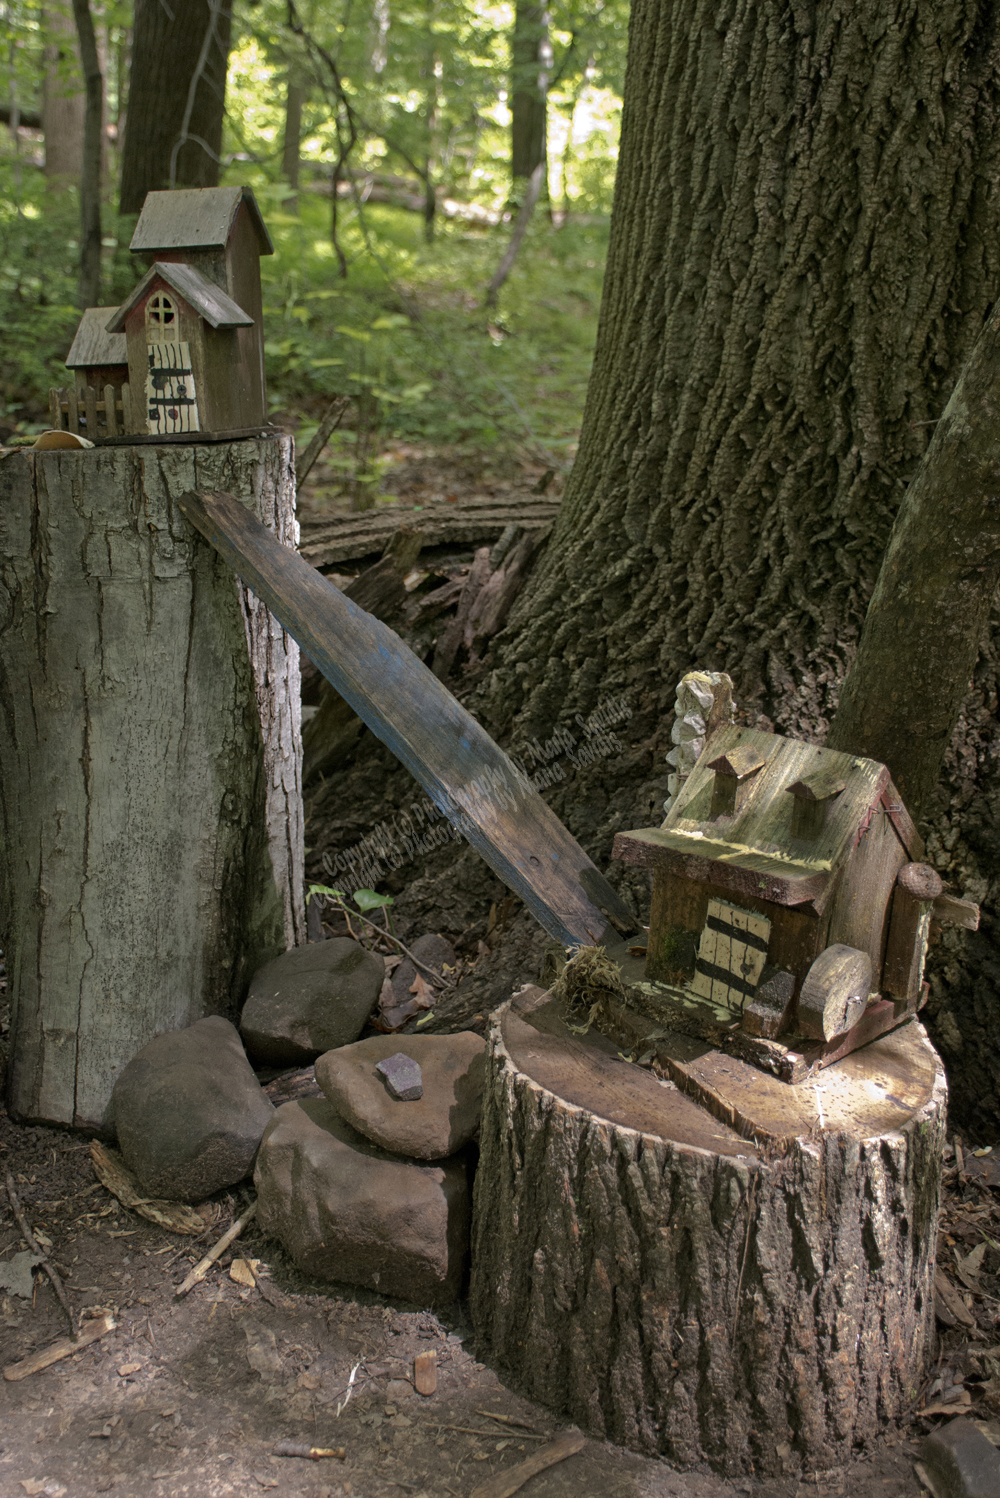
(195,218)
(822,785)
(207,299)
(740,761)
(93,344)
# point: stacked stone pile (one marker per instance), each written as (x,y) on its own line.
(368,1184)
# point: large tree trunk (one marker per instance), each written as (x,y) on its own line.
(531,63)
(291,143)
(63,99)
(177,90)
(747,1283)
(151,796)
(802,255)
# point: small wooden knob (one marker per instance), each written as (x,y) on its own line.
(920,881)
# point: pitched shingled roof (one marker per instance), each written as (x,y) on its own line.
(207,299)
(93,344)
(195,218)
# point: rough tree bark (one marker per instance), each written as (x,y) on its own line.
(150,801)
(177,90)
(805,241)
(904,692)
(674,1286)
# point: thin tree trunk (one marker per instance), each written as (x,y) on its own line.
(150,815)
(531,63)
(173,134)
(93,141)
(903,694)
(295,98)
(63,100)
(521,223)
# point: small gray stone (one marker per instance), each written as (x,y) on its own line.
(437,1124)
(402,1077)
(310,1000)
(189,1112)
(961,1462)
(349,1212)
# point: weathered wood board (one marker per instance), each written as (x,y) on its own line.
(463,771)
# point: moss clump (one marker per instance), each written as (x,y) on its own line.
(588,984)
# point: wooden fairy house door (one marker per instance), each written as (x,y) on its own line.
(171,400)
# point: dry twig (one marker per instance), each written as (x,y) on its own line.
(204,1265)
(32,1243)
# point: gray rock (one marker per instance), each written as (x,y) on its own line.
(349,1212)
(309,1000)
(452,1068)
(402,1077)
(961,1462)
(433,951)
(189,1112)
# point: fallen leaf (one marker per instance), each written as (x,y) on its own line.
(243,1272)
(32,1485)
(307,1381)
(124,1369)
(17,1276)
(262,1352)
(265,1480)
(423,992)
(949,1306)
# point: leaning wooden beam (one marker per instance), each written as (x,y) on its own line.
(493,805)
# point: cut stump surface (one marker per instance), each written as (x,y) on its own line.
(715,1273)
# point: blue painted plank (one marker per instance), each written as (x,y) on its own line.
(466,775)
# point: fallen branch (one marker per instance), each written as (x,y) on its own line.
(33,1244)
(381,931)
(91,1331)
(506,1483)
(200,1270)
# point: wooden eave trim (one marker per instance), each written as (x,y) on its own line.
(892,804)
(646,848)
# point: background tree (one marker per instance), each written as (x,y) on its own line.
(64,100)
(90,175)
(173,130)
(801,257)
(531,68)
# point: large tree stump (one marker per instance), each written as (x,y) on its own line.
(151,815)
(741,1275)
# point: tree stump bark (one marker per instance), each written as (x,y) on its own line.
(150,752)
(732,1269)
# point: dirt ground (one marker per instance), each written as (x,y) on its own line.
(188,1397)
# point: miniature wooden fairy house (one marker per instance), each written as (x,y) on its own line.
(788,896)
(97,357)
(193,324)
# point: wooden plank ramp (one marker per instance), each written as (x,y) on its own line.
(467,776)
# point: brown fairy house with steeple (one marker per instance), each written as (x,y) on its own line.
(193,325)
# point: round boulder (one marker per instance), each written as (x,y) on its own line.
(348,1211)
(310,1000)
(189,1112)
(452,1069)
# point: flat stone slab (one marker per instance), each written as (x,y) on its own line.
(961,1462)
(402,1076)
(310,1000)
(350,1212)
(441,1121)
(189,1112)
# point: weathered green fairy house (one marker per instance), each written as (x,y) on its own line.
(787,888)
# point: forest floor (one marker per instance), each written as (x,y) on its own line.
(188,1397)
